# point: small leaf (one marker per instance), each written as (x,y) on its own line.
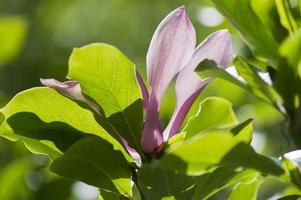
(286,18)
(109,78)
(88,161)
(214,112)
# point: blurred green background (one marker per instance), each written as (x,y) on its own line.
(37,37)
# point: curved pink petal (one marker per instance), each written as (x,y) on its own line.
(171,47)
(133,153)
(69,88)
(217,47)
(144,90)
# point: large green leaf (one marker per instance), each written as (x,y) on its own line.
(258,37)
(247,190)
(214,112)
(156,183)
(95,162)
(108,77)
(198,154)
(221,178)
(286,18)
(44,114)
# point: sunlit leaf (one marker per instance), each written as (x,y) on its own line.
(108,77)
(44,114)
(247,190)
(214,112)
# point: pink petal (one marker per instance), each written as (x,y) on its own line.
(133,153)
(69,88)
(143,90)
(170,48)
(217,47)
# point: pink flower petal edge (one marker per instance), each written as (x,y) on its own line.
(171,46)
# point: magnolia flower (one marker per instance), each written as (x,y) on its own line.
(172,51)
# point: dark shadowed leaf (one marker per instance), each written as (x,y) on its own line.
(95,162)
(209,184)
(156,183)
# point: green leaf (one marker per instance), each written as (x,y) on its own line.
(214,112)
(292,172)
(95,162)
(108,77)
(243,155)
(35,146)
(156,183)
(286,18)
(210,69)
(258,37)
(44,114)
(209,184)
(13,31)
(196,155)
(256,85)
(247,190)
